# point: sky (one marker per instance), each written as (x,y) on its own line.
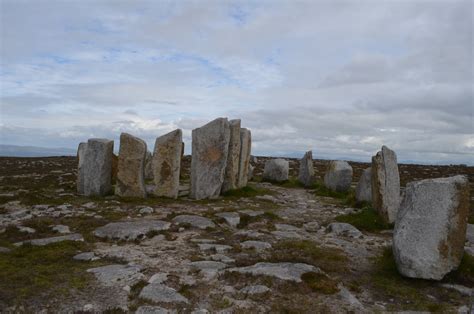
(341,78)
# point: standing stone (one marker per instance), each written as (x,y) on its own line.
(306,173)
(81,154)
(276,170)
(429,235)
(385,184)
(251,170)
(246,146)
(97,167)
(363,190)
(210,147)
(338,176)
(149,166)
(167,164)
(233,157)
(131,167)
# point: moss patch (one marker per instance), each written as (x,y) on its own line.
(320,283)
(366,219)
(247,191)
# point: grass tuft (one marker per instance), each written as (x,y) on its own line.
(366,219)
(320,283)
(246,191)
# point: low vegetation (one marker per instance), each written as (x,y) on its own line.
(247,191)
(366,219)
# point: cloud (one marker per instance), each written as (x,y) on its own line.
(341,78)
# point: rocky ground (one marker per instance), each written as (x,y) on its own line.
(265,248)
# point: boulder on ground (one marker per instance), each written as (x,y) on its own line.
(276,170)
(233,157)
(338,176)
(430,230)
(97,167)
(167,164)
(210,147)
(245,149)
(131,167)
(306,172)
(385,184)
(363,190)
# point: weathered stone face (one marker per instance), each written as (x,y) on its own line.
(429,235)
(81,154)
(210,147)
(338,176)
(276,170)
(306,172)
(167,164)
(233,157)
(385,184)
(364,187)
(97,167)
(148,166)
(245,150)
(131,167)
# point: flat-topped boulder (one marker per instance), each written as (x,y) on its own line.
(430,230)
(233,157)
(194,221)
(167,164)
(306,171)
(363,190)
(385,184)
(130,230)
(96,171)
(338,176)
(210,146)
(131,167)
(276,170)
(244,162)
(284,271)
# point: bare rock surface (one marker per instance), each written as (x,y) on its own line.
(430,230)
(338,176)
(232,218)
(150,309)
(210,146)
(46,241)
(276,170)
(131,167)
(344,229)
(160,293)
(257,289)
(194,221)
(130,230)
(167,164)
(284,271)
(256,245)
(117,275)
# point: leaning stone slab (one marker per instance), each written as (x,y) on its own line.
(233,157)
(117,275)
(244,162)
(130,230)
(429,235)
(276,170)
(167,164)
(46,241)
(284,271)
(160,293)
(131,167)
(210,147)
(306,172)
(81,154)
(338,176)
(363,190)
(385,184)
(194,221)
(97,167)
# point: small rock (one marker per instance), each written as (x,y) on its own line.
(461,289)
(61,229)
(88,308)
(195,221)
(344,229)
(256,245)
(130,230)
(26,229)
(112,275)
(232,218)
(89,205)
(312,226)
(251,213)
(86,256)
(158,278)
(149,309)
(4,249)
(284,271)
(218,248)
(46,241)
(207,265)
(222,258)
(257,289)
(160,293)
(146,210)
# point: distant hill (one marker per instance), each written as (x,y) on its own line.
(34,151)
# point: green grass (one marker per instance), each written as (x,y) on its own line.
(321,190)
(42,271)
(269,216)
(367,219)
(330,260)
(320,283)
(247,191)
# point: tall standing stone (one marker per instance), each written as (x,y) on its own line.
(167,164)
(306,172)
(245,150)
(276,170)
(81,154)
(210,147)
(131,167)
(338,176)
(149,166)
(385,184)
(363,190)
(97,167)
(430,230)
(233,157)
